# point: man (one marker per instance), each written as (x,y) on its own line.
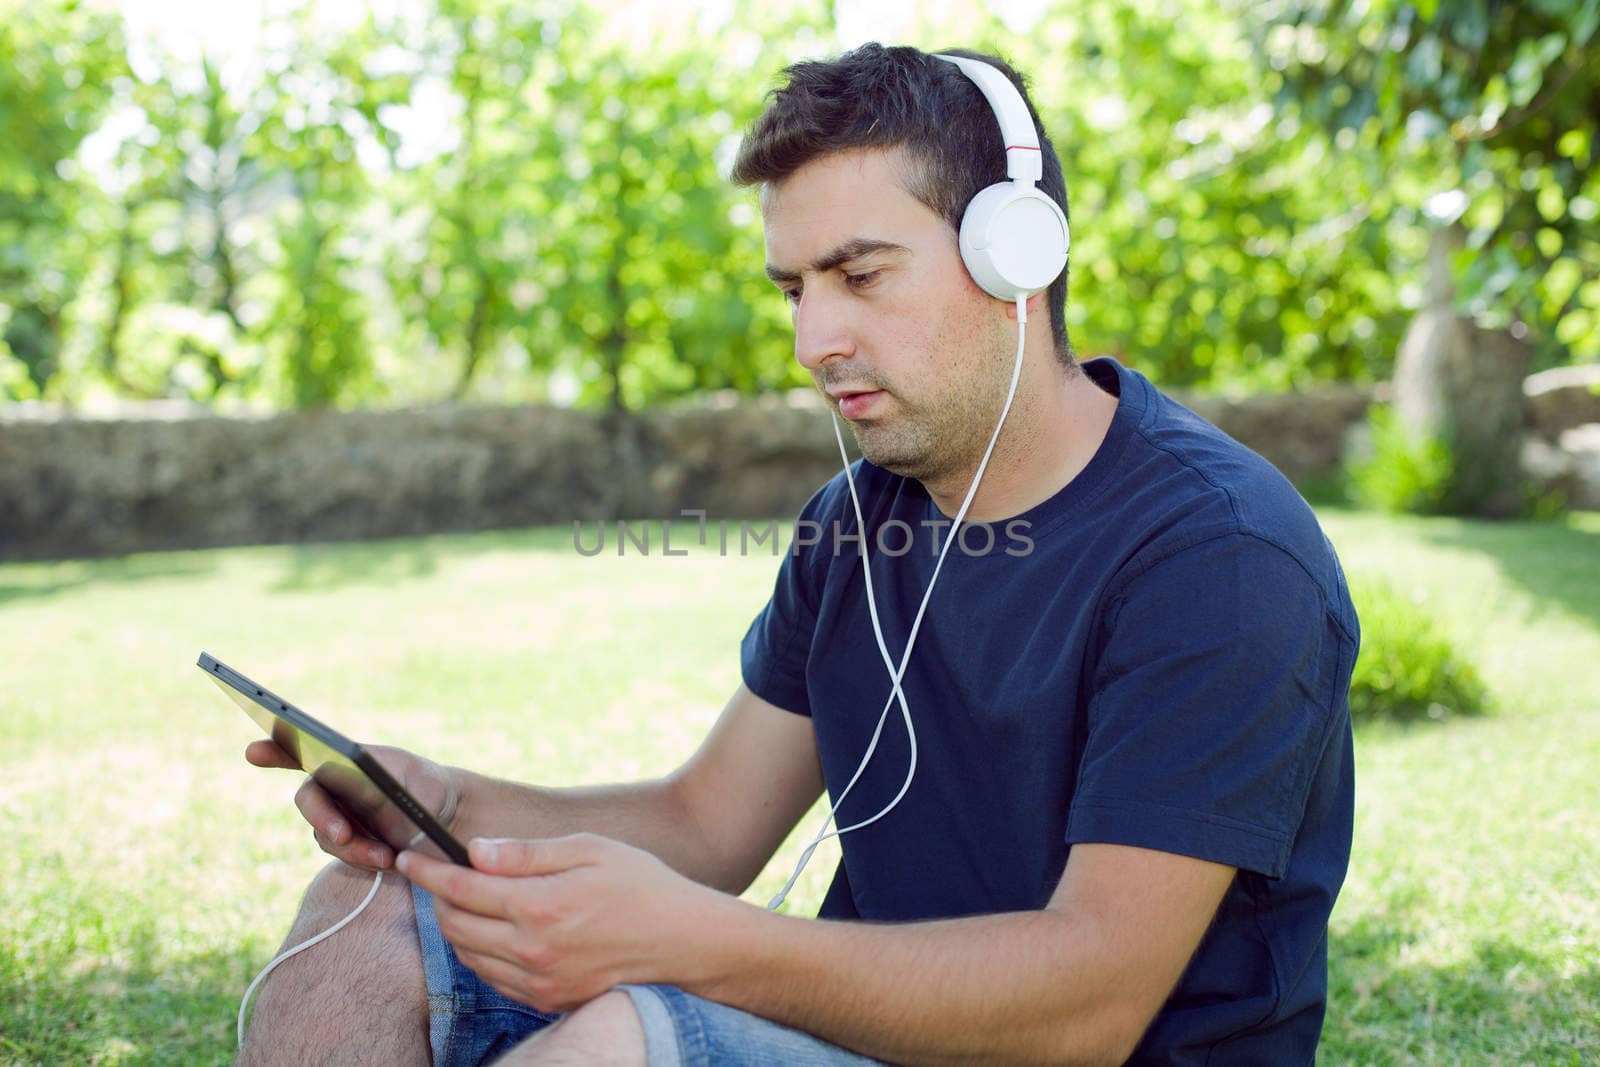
(1131,810)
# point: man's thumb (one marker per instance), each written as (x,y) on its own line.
(530,856)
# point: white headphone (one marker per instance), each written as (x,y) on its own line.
(1014,238)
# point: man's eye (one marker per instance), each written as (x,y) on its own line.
(861,281)
(792,295)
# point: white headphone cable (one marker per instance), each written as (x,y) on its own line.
(301,947)
(895,675)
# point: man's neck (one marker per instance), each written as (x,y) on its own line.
(1051,434)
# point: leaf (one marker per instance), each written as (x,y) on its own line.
(1584,23)
(1426,62)
(1469,25)
(1526,74)
(1574,144)
(1552,203)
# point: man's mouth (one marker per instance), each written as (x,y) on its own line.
(856,403)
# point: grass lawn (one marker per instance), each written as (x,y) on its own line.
(152,872)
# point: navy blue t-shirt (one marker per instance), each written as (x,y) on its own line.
(1159,655)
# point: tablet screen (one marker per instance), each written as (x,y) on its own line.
(362,786)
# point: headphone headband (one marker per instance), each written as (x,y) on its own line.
(1024,162)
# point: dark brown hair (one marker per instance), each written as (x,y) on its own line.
(877,97)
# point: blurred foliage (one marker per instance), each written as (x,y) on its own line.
(55,64)
(600,167)
(1408,668)
(1482,111)
(491,199)
(1405,472)
(1213,241)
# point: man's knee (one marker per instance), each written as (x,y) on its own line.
(338,889)
(606,1032)
(339,884)
(367,980)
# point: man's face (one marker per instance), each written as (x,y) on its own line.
(911,353)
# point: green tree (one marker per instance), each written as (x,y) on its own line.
(322,107)
(179,188)
(230,225)
(57,60)
(580,226)
(1475,122)
(1213,242)
(470,211)
(1480,111)
(648,263)
(298,236)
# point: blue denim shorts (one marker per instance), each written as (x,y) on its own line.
(469,1023)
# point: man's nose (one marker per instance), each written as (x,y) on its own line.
(822,329)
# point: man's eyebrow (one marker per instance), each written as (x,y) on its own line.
(854,248)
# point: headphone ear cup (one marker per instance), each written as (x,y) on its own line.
(1014,240)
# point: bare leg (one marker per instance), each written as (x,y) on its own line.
(605,1032)
(358,998)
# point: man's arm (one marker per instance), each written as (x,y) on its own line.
(716,820)
(1078,982)
(555,923)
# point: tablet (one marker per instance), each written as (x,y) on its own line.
(341,766)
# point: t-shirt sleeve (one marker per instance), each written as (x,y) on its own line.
(773,654)
(1211,705)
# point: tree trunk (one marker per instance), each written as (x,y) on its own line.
(110,348)
(477,334)
(227,300)
(1462,384)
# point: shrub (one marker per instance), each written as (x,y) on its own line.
(1402,474)
(1408,668)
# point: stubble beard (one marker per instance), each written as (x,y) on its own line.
(937,438)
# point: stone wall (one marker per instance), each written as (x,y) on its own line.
(1562,453)
(1562,399)
(1302,433)
(166,478)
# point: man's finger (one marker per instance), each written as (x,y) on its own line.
(460,886)
(523,857)
(264,753)
(470,932)
(324,815)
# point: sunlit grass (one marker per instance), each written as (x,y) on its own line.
(1469,928)
(152,871)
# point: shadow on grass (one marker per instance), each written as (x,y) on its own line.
(1500,1003)
(333,565)
(322,567)
(51,579)
(1557,562)
(145,1006)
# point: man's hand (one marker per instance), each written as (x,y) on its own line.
(554,923)
(434,786)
